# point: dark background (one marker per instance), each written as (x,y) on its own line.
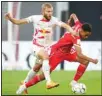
(89,12)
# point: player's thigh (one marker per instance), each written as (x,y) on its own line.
(37,67)
(43,54)
(71,57)
(36,49)
(40,52)
(55,60)
(82,61)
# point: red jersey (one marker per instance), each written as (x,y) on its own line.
(68,40)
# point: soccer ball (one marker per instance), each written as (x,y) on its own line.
(79,88)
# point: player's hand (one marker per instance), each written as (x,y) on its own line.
(7,16)
(72,15)
(95,61)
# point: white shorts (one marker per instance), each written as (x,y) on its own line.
(36,49)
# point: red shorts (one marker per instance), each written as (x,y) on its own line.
(58,56)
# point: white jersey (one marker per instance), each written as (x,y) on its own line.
(43,29)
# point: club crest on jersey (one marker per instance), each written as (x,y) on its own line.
(43,31)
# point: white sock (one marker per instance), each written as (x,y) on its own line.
(21,89)
(73,82)
(46,70)
(30,74)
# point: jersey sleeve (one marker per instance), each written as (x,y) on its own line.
(57,21)
(31,18)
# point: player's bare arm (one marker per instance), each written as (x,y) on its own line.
(69,21)
(74,17)
(68,28)
(15,21)
(80,54)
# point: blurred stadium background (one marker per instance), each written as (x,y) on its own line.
(16,46)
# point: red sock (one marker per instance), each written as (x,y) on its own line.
(33,81)
(80,71)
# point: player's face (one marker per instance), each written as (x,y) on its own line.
(47,13)
(84,34)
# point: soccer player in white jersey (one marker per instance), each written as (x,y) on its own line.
(43,30)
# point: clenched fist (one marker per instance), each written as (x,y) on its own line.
(7,16)
(95,61)
(72,15)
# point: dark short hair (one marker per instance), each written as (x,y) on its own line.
(87,27)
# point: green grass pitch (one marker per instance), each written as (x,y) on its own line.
(92,80)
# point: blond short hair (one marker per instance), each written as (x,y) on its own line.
(48,5)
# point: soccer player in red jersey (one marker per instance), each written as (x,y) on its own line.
(63,50)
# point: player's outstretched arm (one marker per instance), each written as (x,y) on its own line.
(80,54)
(15,21)
(69,22)
(68,28)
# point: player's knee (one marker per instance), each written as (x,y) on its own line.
(42,77)
(37,68)
(85,62)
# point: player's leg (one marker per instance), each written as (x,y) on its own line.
(29,76)
(54,60)
(37,66)
(32,73)
(34,70)
(80,70)
(37,78)
(46,69)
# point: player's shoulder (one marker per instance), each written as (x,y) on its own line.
(37,16)
(54,18)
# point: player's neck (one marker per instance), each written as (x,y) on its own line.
(78,33)
(44,19)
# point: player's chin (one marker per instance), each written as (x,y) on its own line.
(49,18)
(82,37)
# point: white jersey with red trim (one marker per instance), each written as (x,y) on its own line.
(43,29)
